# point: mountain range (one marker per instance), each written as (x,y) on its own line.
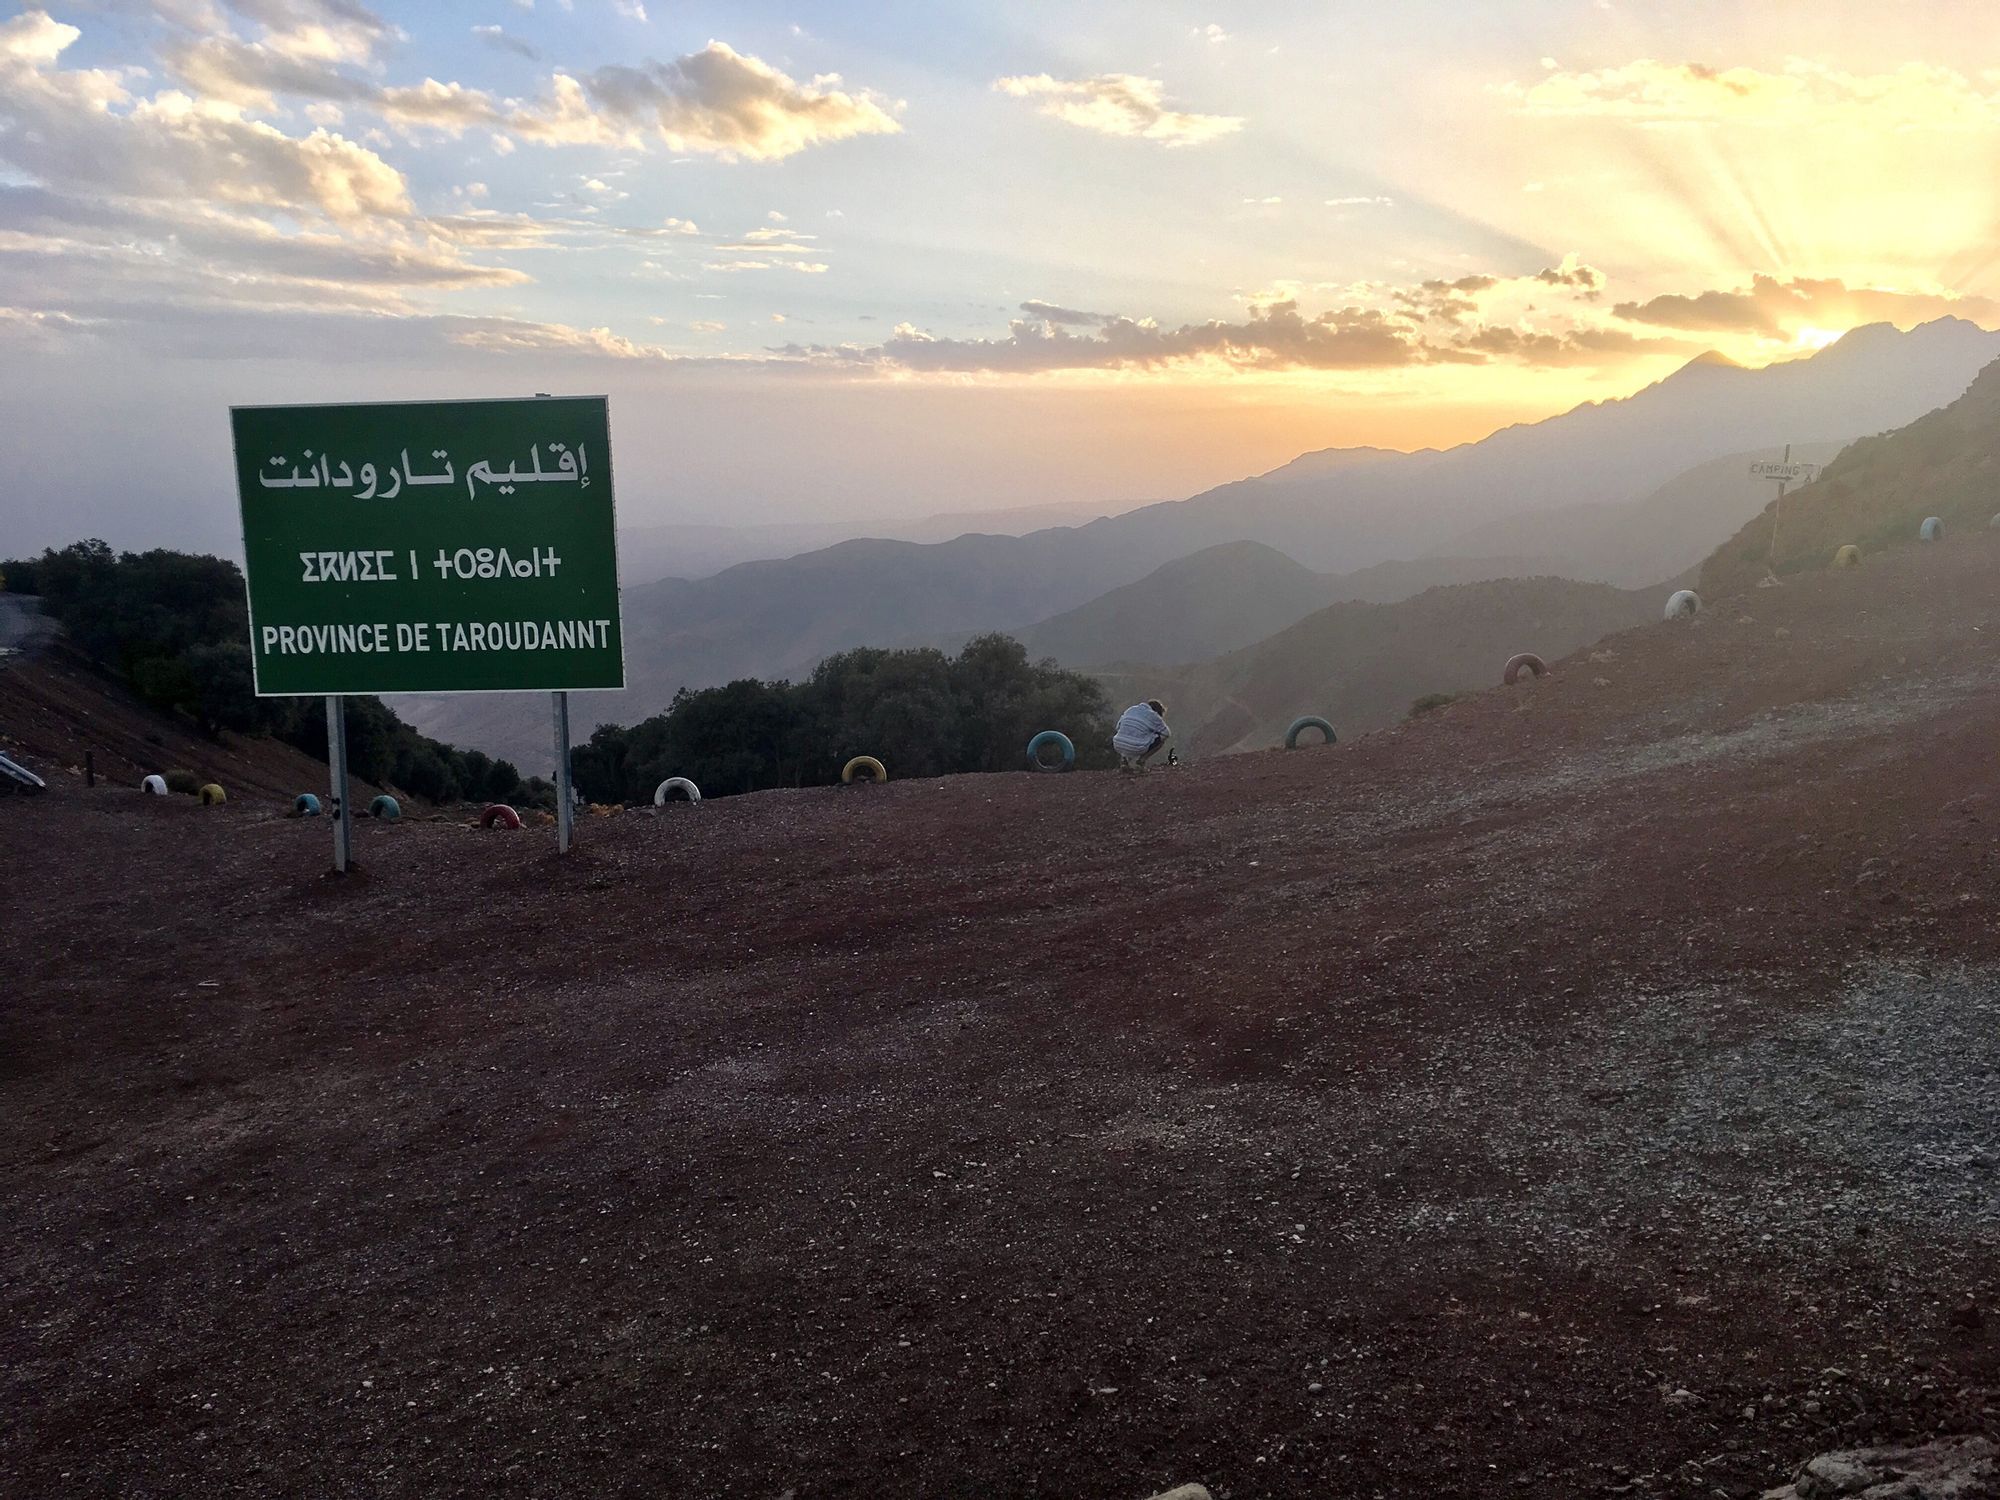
(1333,512)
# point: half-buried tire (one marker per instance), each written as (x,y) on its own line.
(1932,530)
(675,786)
(305,805)
(1847,557)
(1302,724)
(499,815)
(154,786)
(212,795)
(385,807)
(863,765)
(1042,741)
(1684,605)
(1527,662)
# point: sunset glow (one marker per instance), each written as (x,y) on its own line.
(1276,232)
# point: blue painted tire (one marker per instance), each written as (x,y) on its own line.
(1301,725)
(1051,737)
(385,807)
(306,805)
(1932,530)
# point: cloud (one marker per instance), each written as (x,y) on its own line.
(717,100)
(82,129)
(1278,336)
(768,241)
(721,101)
(498,36)
(1211,33)
(1119,104)
(1777,309)
(1916,96)
(1049,312)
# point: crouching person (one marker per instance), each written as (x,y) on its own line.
(1142,730)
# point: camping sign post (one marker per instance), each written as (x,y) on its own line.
(430,547)
(1786,473)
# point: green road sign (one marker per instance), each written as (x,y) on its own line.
(430,546)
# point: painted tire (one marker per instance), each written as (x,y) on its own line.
(499,815)
(875,769)
(663,793)
(386,808)
(306,805)
(1527,661)
(1994,524)
(1301,725)
(1051,737)
(1932,530)
(1847,557)
(154,786)
(212,795)
(1684,605)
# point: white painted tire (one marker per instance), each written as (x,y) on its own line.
(154,786)
(1684,605)
(672,784)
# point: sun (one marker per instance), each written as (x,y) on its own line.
(1815,339)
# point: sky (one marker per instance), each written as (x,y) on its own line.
(853,260)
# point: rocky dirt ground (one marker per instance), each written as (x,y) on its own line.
(1588,1089)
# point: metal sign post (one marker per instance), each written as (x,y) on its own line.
(336,760)
(563,807)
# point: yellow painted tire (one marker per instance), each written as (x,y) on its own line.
(213,795)
(875,769)
(1847,557)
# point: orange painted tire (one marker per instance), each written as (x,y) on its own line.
(1527,661)
(499,814)
(875,769)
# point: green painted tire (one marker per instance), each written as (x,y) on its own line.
(1302,724)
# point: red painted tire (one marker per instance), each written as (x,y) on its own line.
(1527,661)
(501,815)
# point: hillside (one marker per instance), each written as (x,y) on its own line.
(1585,1090)
(1230,596)
(647,553)
(1333,512)
(1878,493)
(1361,665)
(1660,536)
(55,707)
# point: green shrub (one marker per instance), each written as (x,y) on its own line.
(185,782)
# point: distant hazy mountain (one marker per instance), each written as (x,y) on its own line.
(1362,665)
(1878,494)
(1230,596)
(1644,541)
(1333,512)
(649,553)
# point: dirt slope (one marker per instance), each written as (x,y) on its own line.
(1586,1090)
(1877,494)
(1360,665)
(55,707)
